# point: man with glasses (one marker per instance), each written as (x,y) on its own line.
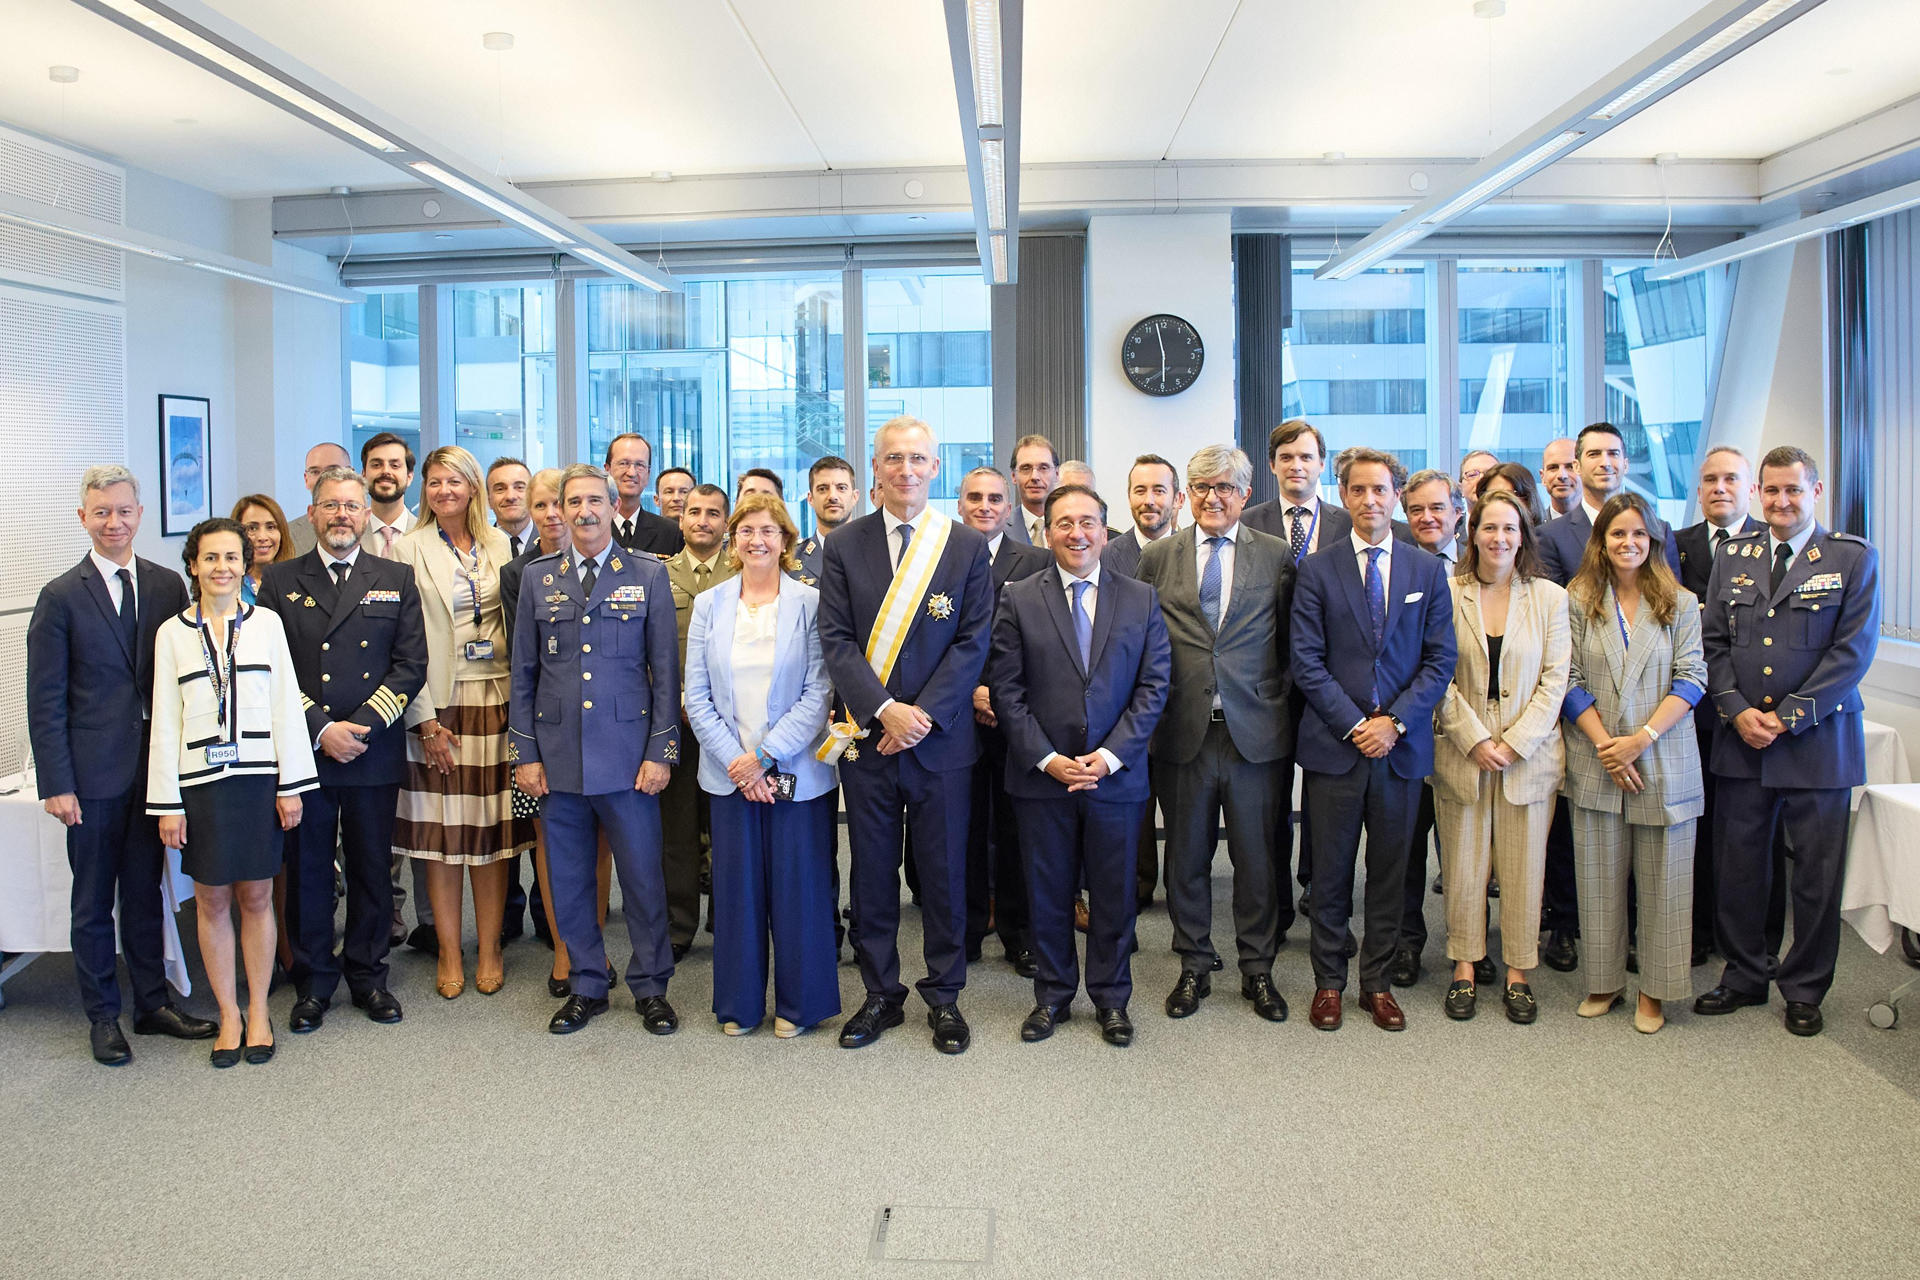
(1036,470)
(1225,594)
(319,458)
(629,463)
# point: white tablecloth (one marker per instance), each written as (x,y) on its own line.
(1882,888)
(36,885)
(1886,758)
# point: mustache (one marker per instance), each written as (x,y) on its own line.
(586,522)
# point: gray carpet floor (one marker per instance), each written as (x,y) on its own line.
(468,1141)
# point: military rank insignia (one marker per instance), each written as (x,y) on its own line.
(1813,555)
(615,565)
(292,596)
(939,606)
(381,597)
(307,603)
(547,581)
(673,752)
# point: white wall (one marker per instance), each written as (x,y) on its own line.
(1138,266)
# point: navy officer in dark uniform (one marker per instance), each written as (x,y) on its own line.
(359,645)
(596,661)
(1792,621)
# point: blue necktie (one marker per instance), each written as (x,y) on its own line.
(1376,609)
(1210,584)
(906,535)
(1083,625)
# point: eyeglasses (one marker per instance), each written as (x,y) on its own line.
(331,508)
(1085,524)
(1201,489)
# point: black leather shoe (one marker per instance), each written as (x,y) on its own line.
(424,939)
(1460,1001)
(224,1058)
(1521,1006)
(1025,963)
(1483,974)
(681,950)
(1258,987)
(110,1048)
(379,1004)
(1040,1023)
(168,1020)
(308,1014)
(1115,1027)
(1187,994)
(258,1054)
(1405,969)
(1702,952)
(559,988)
(576,1013)
(1804,1019)
(950,1033)
(1724,999)
(1560,954)
(657,1015)
(874,1017)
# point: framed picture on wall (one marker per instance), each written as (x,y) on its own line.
(185,439)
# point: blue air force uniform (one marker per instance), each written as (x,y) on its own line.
(596,691)
(812,555)
(1799,650)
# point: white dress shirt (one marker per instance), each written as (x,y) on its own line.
(110,571)
(1091,603)
(328,559)
(993,546)
(373,540)
(893,524)
(1200,553)
(1311,519)
(1360,548)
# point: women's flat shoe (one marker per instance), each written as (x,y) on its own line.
(786,1030)
(451,988)
(1648,1023)
(1601,1005)
(1460,1000)
(224,1058)
(257,1054)
(735,1029)
(559,988)
(1521,1006)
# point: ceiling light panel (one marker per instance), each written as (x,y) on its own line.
(983,41)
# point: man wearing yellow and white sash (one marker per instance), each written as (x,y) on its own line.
(906,611)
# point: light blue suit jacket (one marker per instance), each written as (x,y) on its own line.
(797,700)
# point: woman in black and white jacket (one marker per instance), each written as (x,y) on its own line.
(229,758)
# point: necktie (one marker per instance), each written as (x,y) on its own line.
(129,609)
(1782,557)
(339,573)
(1376,606)
(1210,584)
(1297,534)
(1083,625)
(387,534)
(1036,531)
(515,539)
(700,571)
(1719,545)
(626,532)
(906,535)
(587,578)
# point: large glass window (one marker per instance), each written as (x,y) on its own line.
(1358,363)
(505,385)
(1512,327)
(1658,349)
(383,354)
(929,354)
(786,386)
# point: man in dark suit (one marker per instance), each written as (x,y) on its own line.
(1373,650)
(600,770)
(996,880)
(359,646)
(1726,494)
(1036,470)
(1600,453)
(1225,592)
(1792,623)
(905,620)
(1079,673)
(629,461)
(89,694)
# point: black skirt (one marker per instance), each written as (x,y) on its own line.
(233,830)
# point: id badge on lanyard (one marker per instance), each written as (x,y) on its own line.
(226,701)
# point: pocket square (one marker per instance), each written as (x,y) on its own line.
(1415,596)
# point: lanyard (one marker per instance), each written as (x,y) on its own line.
(1621,617)
(222,681)
(1306,543)
(471,575)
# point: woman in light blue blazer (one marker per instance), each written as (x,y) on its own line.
(757,698)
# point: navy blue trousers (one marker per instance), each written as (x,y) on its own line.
(116,851)
(995,886)
(1369,796)
(1749,818)
(362,818)
(631,821)
(1064,842)
(885,794)
(773,876)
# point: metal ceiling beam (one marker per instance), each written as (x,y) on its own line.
(984,39)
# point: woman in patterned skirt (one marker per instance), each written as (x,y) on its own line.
(455,809)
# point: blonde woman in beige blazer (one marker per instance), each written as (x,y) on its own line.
(456,806)
(1633,763)
(1498,757)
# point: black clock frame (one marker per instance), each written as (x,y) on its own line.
(1139,331)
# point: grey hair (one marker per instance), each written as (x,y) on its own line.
(995,472)
(339,475)
(587,471)
(905,422)
(1073,466)
(1428,476)
(105,476)
(1213,459)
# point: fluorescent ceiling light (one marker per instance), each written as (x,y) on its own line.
(622,264)
(1705,40)
(72,225)
(481,196)
(1819,224)
(983,43)
(997,256)
(993,175)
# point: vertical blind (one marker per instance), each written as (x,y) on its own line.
(1893,412)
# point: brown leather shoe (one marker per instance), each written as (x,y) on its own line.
(1325,1013)
(1385,1010)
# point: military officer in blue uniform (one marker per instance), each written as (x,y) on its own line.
(359,645)
(1792,621)
(595,729)
(833,494)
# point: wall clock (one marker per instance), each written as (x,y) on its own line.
(1162,355)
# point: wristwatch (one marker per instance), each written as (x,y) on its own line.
(1399,728)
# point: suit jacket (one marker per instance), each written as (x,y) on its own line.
(622,694)
(1017,560)
(1534,657)
(1270,517)
(1800,652)
(1017,524)
(1047,701)
(1245,660)
(1563,541)
(680,578)
(810,553)
(1628,679)
(1336,664)
(426,554)
(653,533)
(1122,556)
(300,533)
(510,575)
(359,654)
(940,658)
(1696,553)
(797,698)
(87,695)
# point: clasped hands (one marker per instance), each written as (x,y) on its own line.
(1758,728)
(902,726)
(531,778)
(1375,737)
(746,773)
(1618,755)
(1491,756)
(1078,773)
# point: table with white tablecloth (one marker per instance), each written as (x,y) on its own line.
(1882,889)
(36,885)
(1886,758)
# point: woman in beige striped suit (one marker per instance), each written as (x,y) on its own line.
(1498,757)
(1633,765)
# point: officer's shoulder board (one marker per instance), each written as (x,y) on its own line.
(1837,536)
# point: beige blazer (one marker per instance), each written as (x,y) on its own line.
(1534,659)
(433,571)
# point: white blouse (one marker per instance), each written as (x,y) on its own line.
(754,630)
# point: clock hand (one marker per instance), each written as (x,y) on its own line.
(1161,338)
